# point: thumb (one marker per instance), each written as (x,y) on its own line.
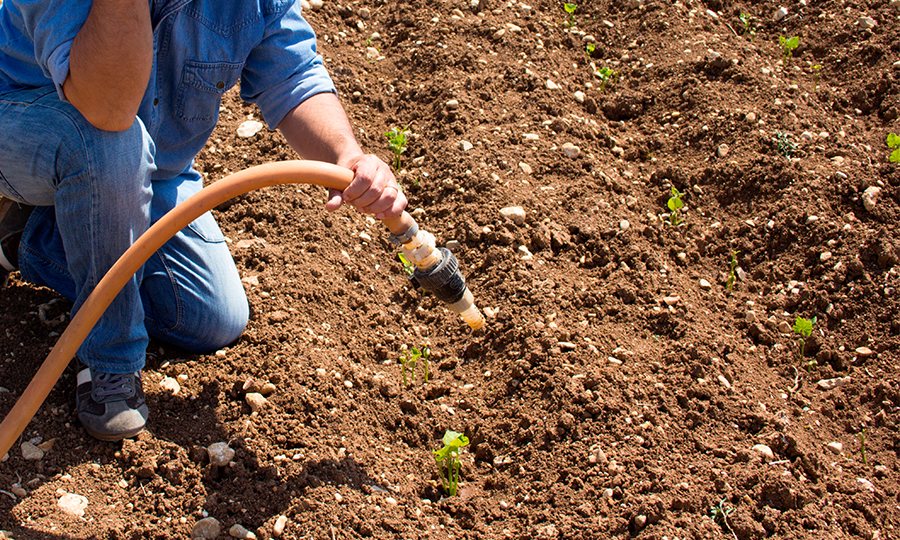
(335,200)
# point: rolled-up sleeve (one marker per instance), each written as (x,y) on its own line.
(52,26)
(285,68)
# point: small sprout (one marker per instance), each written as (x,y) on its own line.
(804,327)
(447,459)
(749,30)
(816,69)
(397,139)
(410,358)
(893,141)
(607,75)
(787,46)
(570,9)
(719,514)
(589,49)
(408,267)
(675,205)
(785,145)
(731,277)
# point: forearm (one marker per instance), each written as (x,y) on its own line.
(318,129)
(110,63)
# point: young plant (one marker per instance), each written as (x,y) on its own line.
(816,69)
(749,30)
(397,139)
(785,145)
(410,358)
(719,514)
(589,50)
(447,459)
(675,205)
(893,141)
(570,9)
(408,267)
(731,277)
(804,327)
(607,75)
(787,46)
(862,444)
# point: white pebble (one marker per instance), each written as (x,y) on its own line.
(671,300)
(278,528)
(552,85)
(465,146)
(764,451)
(570,150)
(579,96)
(72,504)
(206,528)
(220,454)
(170,385)
(624,225)
(835,447)
(724,382)
(249,129)
(514,213)
(31,452)
(238,531)
(705,284)
(870,197)
(780,14)
(526,168)
(256,401)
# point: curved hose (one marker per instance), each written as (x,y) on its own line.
(284,172)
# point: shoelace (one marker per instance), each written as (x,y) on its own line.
(119,385)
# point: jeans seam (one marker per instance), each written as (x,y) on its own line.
(176,293)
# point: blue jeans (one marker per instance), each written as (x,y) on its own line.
(96,193)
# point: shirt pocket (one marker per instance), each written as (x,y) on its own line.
(201,89)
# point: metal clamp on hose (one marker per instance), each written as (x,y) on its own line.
(400,239)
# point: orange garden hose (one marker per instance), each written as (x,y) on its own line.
(284,172)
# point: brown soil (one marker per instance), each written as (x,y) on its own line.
(594,408)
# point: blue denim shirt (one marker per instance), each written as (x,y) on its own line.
(202,48)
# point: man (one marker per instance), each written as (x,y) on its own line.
(103,107)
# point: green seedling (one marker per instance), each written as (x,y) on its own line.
(731,277)
(408,267)
(804,327)
(816,69)
(893,141)
(787,46)
(410,358)
(675,205)
(785,145)
(447,459)
(397,139)
(749,30)
(589,49)
(570,9)
(607,75)
(719,514)
(862,444)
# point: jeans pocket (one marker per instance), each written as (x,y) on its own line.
(206,228)
(201,89)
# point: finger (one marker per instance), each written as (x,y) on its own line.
(392,205)
(335,200)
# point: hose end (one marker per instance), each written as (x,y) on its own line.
(467,309)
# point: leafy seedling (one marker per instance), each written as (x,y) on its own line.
(719,514)
(397,139)
(410,358)
(570,9)
(589,49)
(749,30)
(408,267)
(785,145)
(729,283)
(893,141)
(804,327)
(787,46)
(675,204)
(447,459)
(608,76)
(816,69)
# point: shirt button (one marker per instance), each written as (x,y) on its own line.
(156,102)
(221,85)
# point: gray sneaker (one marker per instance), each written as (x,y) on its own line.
(110,406)
(13,217)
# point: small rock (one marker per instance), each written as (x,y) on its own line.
(206,528)
(278,528)
(391,501)
(722,150)
(515,213)
(780,14)
(881,471)
(870,197)
(452,105)
(784,327)
(316,4)
(825,256)
(867,23)
(607,493)
(372,54)
(750,118)
(671,300)
(31,452)
(552,85)
(571,151)
(705,284)
(640,521)
(865,484)
(864,352)
(830,384)
(835,447)
(452,245)
(579,96)
(256,401)
(238,531)
(465,146)
(170,385)
(249,129)
(526,168)
(724,382)
(18,491)
(220,454)
(524,253)
(72,504)
(764,451)
(624,225)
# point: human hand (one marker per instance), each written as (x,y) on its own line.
(374,189)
